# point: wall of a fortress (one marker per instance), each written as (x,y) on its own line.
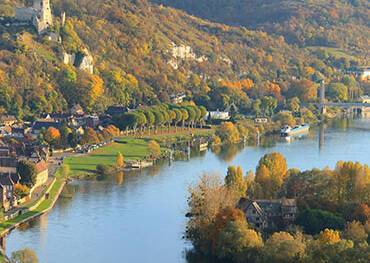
(24,14)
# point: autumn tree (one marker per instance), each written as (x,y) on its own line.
(120,161)
(154,148)
(271,173)
(228,133)
(304,89)
(355,231)
(234,179)
(207,199)
(329,236)
(52,135)
(90,136)
(237,242)
(283,247)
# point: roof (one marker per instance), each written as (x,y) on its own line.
(38,125)
(8,118)
(41,166)
(9,178)
(263,205)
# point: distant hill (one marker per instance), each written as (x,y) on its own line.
(335,23)
(144,53)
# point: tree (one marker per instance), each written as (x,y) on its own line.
(90,136)
(294,104)
(120,161)
(65,170)
(283,247)
(314,221)
(234,179)
(329,236)
(27,172)
(304,89)
(271,172)
(178,117)
(256,107)
(154,148)
(150,118)
(285,118)
(228,133)
(337,92)
(52,135)
(355,231)
(268,105)
(235,240)
(24,256)
(207,199)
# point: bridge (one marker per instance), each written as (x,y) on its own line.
(351,107)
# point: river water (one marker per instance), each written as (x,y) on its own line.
(139,217)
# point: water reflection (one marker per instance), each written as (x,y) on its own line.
(119,178)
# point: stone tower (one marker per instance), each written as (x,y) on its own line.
(39,15)
(44,18)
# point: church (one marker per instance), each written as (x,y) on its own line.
(39,15)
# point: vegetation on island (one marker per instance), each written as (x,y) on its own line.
(332,224)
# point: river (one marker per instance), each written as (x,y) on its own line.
(140,217)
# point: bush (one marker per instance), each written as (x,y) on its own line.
(103,169)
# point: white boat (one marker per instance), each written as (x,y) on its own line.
(290,131)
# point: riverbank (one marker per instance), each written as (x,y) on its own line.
(133,148)
(43,205)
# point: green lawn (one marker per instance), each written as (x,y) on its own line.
(131,149)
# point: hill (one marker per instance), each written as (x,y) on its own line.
(341,24)
(144,53)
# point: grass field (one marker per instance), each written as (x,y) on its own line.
(131,149)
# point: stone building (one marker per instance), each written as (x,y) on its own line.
(39,15)
(270,215)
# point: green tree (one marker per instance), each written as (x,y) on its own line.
(268,105)
(27,171)
(234,179)
(337,92)
(294,104)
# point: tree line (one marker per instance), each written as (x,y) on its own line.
(333,223)
(162,116)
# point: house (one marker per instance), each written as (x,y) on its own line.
(8,120)
(218,115)
(92,121)
(5,130)
(7,189)
(269,214)
(42,173)
(261,120)
(177,98)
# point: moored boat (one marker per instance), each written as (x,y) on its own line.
(290,131)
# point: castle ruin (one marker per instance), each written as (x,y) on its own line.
(39,15)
